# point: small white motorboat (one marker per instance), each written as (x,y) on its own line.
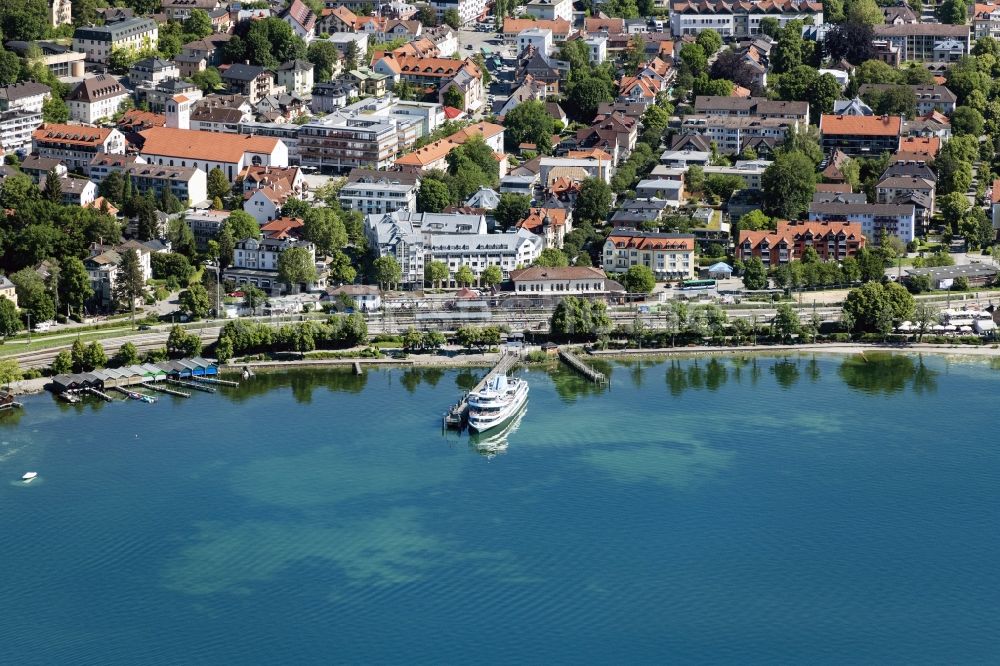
(29,477)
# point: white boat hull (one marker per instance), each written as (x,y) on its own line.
(489,410)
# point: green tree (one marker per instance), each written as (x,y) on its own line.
(195,301)
(25,20)
(181,344)
(584,97)
(723,185)
(694,179)
(822,92)
(168,265)
(593,203)
(388,273)
(129,284)
(295,266)
(786,321)
(754,274)
(208,80)
(451,18)
(755,220)
(865,11)
(324,228)
(74,284)
(639,280)
(127,355)
(552,258)
(491,276)
(511,209)
(55,110)
(464,276)
(242,225)
(454,98)
(953,11)
(341,269)
(270,42)
(966,120)
(770,26)
(76,355)
(63,363)
(198,23)
(788,185)
(218,184)
(529,122)
(709,41)
(324,55)
(10,371)
(52,190)
(693,57)
(32,296)
(433,196)
(435,273)
(94,357)
(10,323)
(873,303)
(227,246)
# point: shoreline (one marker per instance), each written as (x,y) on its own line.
(488,359)
(981,351)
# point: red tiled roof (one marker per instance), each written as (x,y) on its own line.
(860,125)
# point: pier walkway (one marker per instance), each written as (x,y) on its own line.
(456,415)
(575,362)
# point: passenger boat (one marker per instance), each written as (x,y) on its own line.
(497,403)
(495,441)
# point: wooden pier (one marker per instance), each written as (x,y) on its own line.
(575,362)
(100,394)
(192,385)
(357,367)
(164,389)
(216,380)
(457,413)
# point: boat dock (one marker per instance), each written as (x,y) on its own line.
(164,389)
(100,394)
(575,362)
(216,380)
(457,413)
(192,385)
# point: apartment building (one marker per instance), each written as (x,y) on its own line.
(433,155)
(96,98)
(860,135)
(97,42)
(16,127)
(739,19)
(833,241)
(255,261)
(986,20)
(75,145)
(180,10)
(296,76)
(339,143)
(24,96)
(61,60)
(561,28)
(877,220)
(379,192)
(930,98)
(926,42)
(550,10)
(253,82)
(732,133)
(760,107)
(188,184)
(468,10)
(669,256)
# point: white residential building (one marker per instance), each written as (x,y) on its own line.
(96,98)
(597,46)
(76,145)
(24,96)
(458,240)
(379,192)
(255,261)
(468,10)
(97,42)
(539,38)
(15,129)
(551,9)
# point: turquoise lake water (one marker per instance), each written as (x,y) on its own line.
(799,510)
